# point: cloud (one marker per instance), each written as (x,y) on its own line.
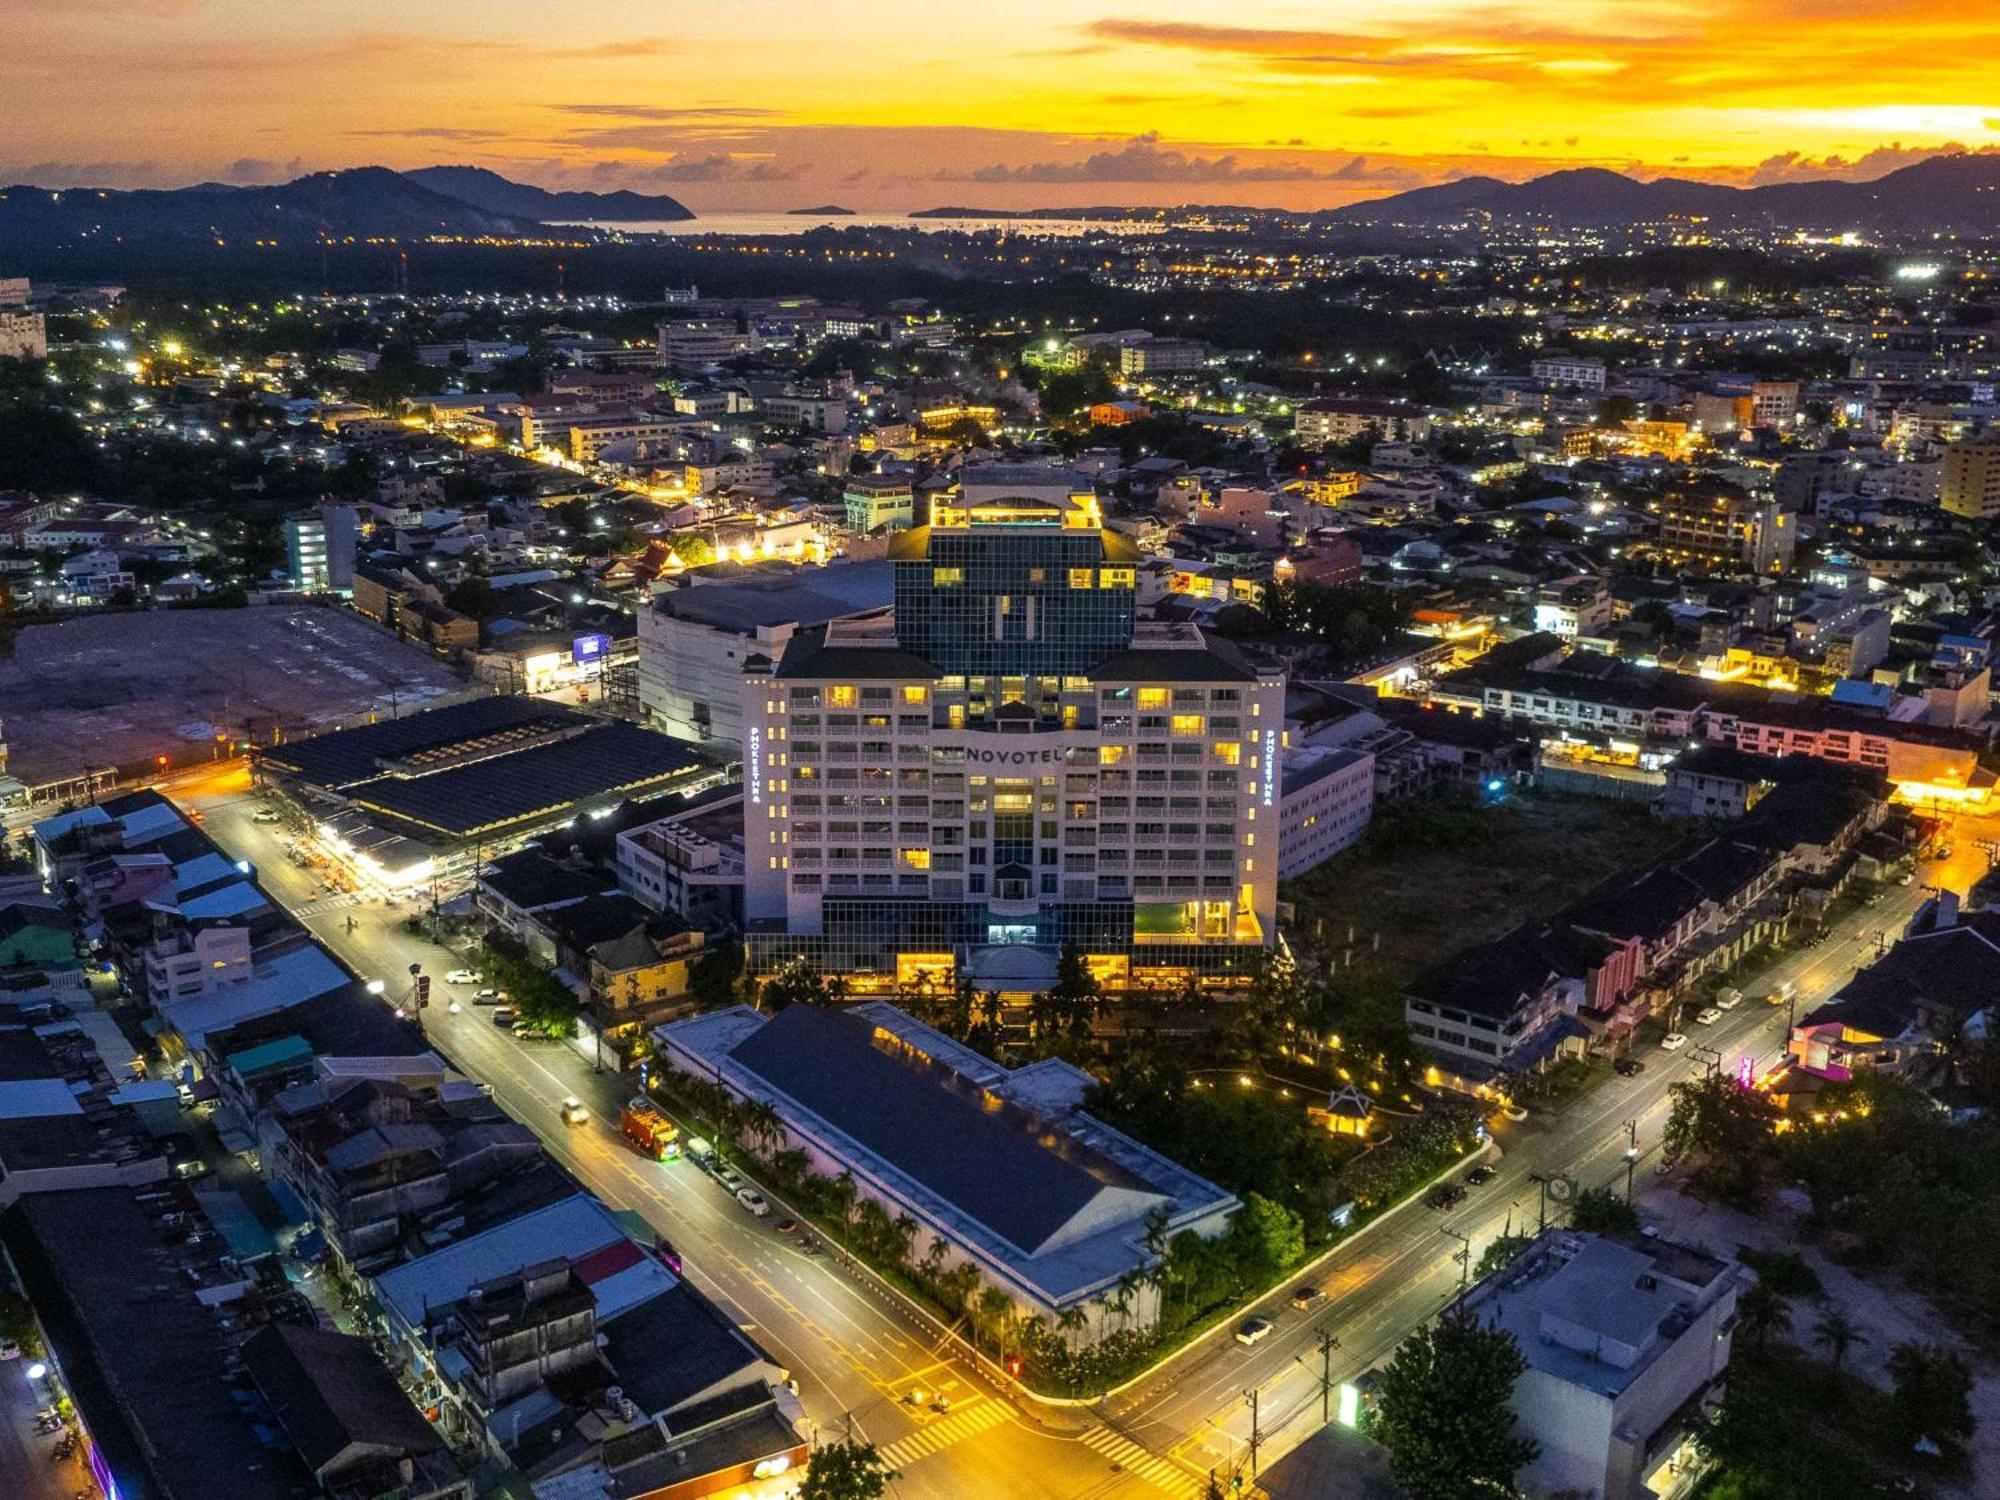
(462,133)
(1796,166)
(722,167)
(255,171)
(1144,159)
(634,46)
(669,112)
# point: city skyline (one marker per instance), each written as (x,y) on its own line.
(1270,104)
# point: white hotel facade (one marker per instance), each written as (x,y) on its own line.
(1007,765)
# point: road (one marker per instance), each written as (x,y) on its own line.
(857,1351)
(1405,1268)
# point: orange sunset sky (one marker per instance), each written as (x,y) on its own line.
(887,104)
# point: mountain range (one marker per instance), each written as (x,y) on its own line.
(1957,192)
(361,202)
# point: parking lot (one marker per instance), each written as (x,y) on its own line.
(121,689)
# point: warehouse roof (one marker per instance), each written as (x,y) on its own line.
(501,790)
(350,755)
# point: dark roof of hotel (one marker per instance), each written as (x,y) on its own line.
(350,755)
(505,789)
(1216,661)
(808,655)
(993,1165)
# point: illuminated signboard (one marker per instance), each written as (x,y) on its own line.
(1270,767)
(586,648)
(756,776)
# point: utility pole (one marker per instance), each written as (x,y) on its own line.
(1463,1257)
(1327,1344)
(1631,1155)
(1251,1397)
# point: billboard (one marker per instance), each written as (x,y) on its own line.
(589,648)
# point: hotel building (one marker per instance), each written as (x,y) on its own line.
(1006,764)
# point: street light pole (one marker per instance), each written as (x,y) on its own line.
(1251,1396)
(1631,1155)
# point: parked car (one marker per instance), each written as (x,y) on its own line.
(574,1112)
(485,997)
(1673,1041)
(1728,999)
(1253,1331)
(1628,1067)
(1482,1174)
(753,1200)
(1445,1195)
(1306,1296)
(1708,1015)
(503,1015)
(461,976)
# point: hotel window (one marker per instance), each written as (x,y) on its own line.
(1229,752)
(1079,578)
(1110,755)
(914,694)
(1152,697)
(1115,578)
(945,578)
(1188,724)
(917,859)
(842,696)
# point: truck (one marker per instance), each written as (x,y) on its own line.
(651,1133)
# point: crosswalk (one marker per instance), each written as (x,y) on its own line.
(1149,1466)
(324,904)
(966,1422)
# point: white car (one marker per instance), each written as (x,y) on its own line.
(264,815)
(1728,999)
(1708,1015)
(1673,1041)
(753,1200)
(1253,1331)
(573,1112)
(461,976)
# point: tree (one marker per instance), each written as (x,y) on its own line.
(1723,1131)
(1443,1411)
(1603,1212)
(712,979)
(473,596)
(845,1471)
(1268,1237)
(1837,1333)
(1761,1312)
(796,983)
(1933,1393)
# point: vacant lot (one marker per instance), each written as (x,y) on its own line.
(1431,878)
(120,689)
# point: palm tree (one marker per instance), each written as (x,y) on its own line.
(1070,1322)
(841,1194)
(901,1236)
(1837,1333)
(762,1124)
(991,1311)
(1762,1312)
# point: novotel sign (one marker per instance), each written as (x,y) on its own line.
(1007,749)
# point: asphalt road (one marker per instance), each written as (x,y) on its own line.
(857,1351)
